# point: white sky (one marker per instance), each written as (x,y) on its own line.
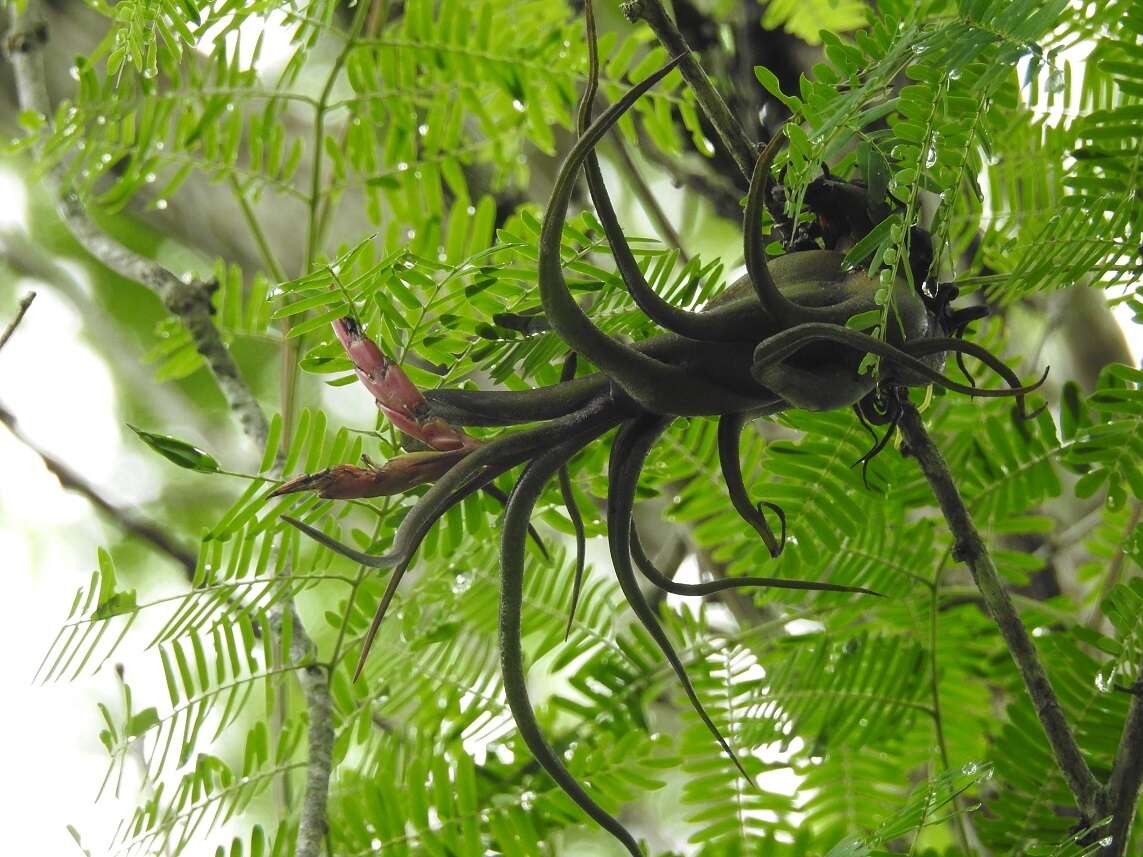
(48,541)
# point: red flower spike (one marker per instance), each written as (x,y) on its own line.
(346,482)
(397,397)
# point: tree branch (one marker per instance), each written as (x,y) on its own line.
(724,197)
(191,303)
(728,128)
(22,308)
(734,137)
(314,679)
(969,548)
(27,259)
(127,520)
(1126,777)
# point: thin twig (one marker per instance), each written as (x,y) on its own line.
(134,749)
(378,15)
(30,260)
(315,224)
(968,547)
(648,200)
(728,128)
(724,197)
(1126,778)
(25,302)
(129,521)
(313,826)
(257,233)
(1071,533)
(1115,568)
(935,691)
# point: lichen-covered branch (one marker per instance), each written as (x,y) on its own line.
(190,301)
(314,679)
(969,548)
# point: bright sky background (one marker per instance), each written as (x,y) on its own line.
(48,540)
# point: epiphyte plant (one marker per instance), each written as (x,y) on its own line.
(776,339)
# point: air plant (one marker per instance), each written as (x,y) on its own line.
(776,339)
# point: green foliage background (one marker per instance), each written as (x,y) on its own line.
(387,144)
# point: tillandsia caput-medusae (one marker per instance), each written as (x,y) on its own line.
(774,340)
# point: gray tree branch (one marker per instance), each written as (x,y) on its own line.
(1126,777)
(127,520)
(189,301)
(969,548)
(314,679)
(27,259)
